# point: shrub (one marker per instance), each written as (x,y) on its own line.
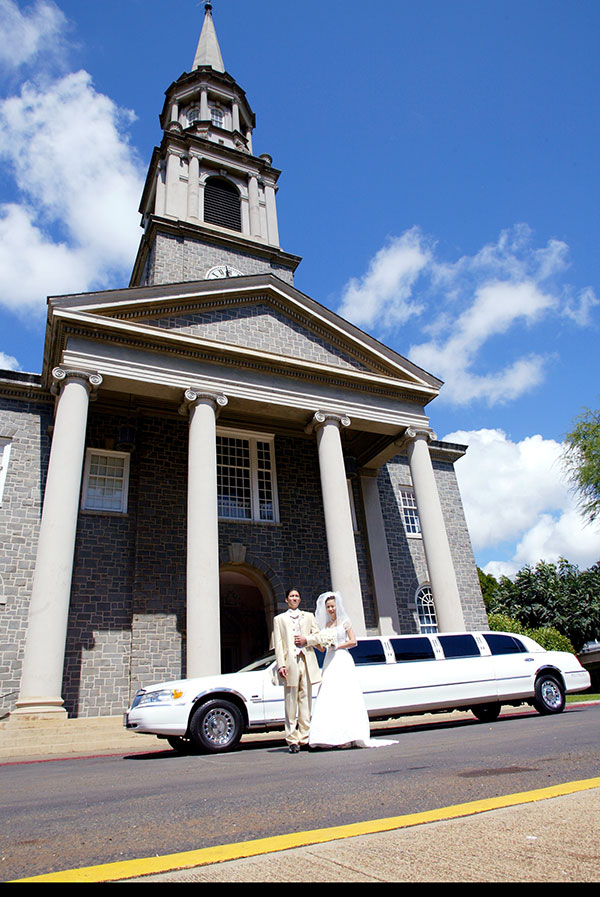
(546,636)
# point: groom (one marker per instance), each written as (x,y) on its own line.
(295,633)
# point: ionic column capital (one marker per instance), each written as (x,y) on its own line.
(192,397)
(91,381)
(320,418)
(412,433)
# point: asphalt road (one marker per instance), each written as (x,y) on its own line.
(63,814)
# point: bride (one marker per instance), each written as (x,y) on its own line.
(340,717)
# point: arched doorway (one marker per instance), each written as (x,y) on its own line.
(245,618)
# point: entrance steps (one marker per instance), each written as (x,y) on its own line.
(29,738)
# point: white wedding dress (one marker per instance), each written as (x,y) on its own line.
(340,717)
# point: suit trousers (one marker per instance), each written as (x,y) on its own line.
(298,706)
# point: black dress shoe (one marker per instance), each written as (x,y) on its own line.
(294,749)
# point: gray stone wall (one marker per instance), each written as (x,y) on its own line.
(127,613)
(26,425)
(260,326)
(127,619)
(407,554)
(177,259)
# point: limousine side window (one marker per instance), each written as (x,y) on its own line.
(412,649)
(504,644)
(459,646)
(370,651)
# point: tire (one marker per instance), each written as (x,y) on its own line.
(216,726)
(549,694)
(182,745)
(486,713)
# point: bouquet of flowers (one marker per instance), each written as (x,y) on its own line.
(327,638)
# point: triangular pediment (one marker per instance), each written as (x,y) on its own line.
(259,324)
(256,314)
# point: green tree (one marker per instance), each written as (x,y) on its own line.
(581,457)
(559,596)
(546,636)
(489,587)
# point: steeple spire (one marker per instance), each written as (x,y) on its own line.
(208,51)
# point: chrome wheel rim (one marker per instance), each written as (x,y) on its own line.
(551,694)
(218,726)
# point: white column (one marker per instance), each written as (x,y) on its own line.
(41,681)
(204,110)
(193,188)
(381,568)
(235,109)
(254,208)
(343,564)
(203,617)
(435,538)
(172,185)
(160,200)
(273,230)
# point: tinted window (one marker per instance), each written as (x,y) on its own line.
(407,649)
(368,652)
(504,644)
(459,646)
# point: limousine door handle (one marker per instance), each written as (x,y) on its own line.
(529,660)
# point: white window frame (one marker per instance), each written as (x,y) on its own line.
(425,610)
(5,445)
(409,510)
(85,498)
(253,438)
(217,116)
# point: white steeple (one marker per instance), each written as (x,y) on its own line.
(208,51)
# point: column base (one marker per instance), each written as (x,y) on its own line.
(40,708)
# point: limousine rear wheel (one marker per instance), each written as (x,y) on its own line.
(216,726)
(549,694)
(486,713)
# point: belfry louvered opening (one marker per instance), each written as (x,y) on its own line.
(222,204)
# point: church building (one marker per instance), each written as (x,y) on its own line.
(208,437)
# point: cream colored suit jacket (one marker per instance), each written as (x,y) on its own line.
(285,649)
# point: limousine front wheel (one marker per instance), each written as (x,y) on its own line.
(486,713)
(216,726)
(549,694)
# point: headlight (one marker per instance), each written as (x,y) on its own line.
(166,696)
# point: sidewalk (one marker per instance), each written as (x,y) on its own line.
(554,840)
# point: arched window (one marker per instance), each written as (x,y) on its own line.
(426,610)
(217,116)
(222,204)
(193,114)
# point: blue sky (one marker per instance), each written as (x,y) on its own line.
(440,179)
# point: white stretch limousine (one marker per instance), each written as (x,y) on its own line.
(399,675)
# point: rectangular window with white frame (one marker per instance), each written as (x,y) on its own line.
(410,513)
(105,481)
(5,445)
(246,481)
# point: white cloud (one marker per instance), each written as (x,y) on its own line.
(516,492)
(9,362)
(384,293)
(495,308)
(80,184)
(27,33)
(503,290)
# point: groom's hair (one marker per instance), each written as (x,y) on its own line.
(294,589)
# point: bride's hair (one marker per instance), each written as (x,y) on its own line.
(321,610)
